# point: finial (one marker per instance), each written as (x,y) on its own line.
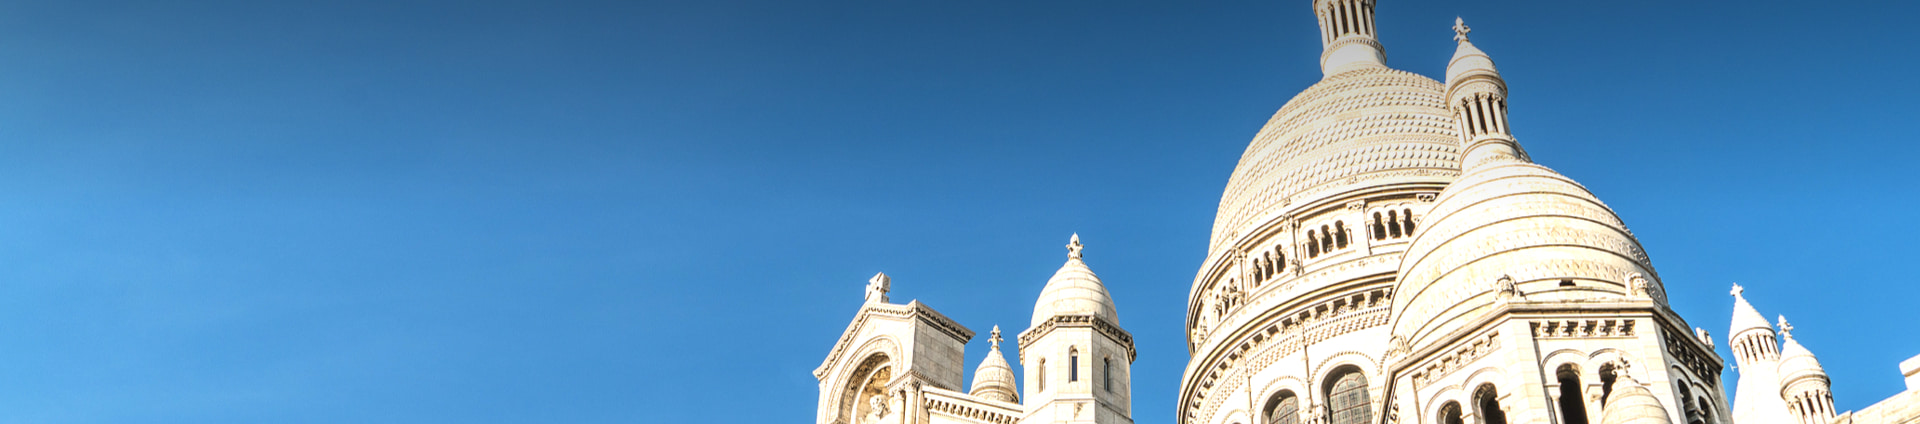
(1460,30)
(1737,290)
(996,337)
(1074,247)
(878,286)
(1786,329)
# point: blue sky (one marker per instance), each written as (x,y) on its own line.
(476,211)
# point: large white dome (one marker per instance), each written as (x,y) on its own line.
(1363,129)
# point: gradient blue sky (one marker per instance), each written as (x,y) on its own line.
(617,212)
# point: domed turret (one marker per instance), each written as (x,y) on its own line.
(994,378)
(1631,403)
(1074,290)
(1796,362)
(1508,217)
(1803,384)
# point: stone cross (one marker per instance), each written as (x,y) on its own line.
(1785,328)
(1074,247)
(1737,290)
(1460,30)
(996,337)
(878,286)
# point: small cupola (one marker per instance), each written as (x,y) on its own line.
(1074,290)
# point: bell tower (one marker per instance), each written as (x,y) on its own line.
(1078,361)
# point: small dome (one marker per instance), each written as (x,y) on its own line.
(1074,290)
(1513,219)
(1467,59)
(1632,404)
(1744,316)
(1796,362)
(994,378)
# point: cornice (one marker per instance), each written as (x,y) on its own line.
(1098,324)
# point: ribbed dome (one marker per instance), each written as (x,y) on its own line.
(1074,290)
(1468,59)
(1632,404)
(994,378)
(1366,128)
(1511,219)
(1796,361)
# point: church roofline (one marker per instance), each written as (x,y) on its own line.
(911,311)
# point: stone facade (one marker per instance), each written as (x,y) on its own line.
(901,364)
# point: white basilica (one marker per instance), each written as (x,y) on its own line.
(1385,252)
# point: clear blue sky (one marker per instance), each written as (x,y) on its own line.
(616,212)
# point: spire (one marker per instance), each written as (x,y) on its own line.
(1347,36)
(1745,318)
(994,378)
(1478,97)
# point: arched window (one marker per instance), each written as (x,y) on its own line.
(1692,413)
(1340,234)
(1313,245)
(1284,408)
(1279,261)
(1347,398)
(1606,383)
(1406,221)
(1073,365)
(1573,409)
(1326,240)
(1106,374)
(1486,404)
(1393,224)
(1042,381)
(1706,409)
(1450,413)
(1379,227)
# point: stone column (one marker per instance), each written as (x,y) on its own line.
(1358,208)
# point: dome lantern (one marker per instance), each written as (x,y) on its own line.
(1348,36)
(1478,98)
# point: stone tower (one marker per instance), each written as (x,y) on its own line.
(1803,383)
(1780,381)
(1077,359)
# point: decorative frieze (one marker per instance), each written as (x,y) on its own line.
(1582,328)
(970,412)
(1680,348)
